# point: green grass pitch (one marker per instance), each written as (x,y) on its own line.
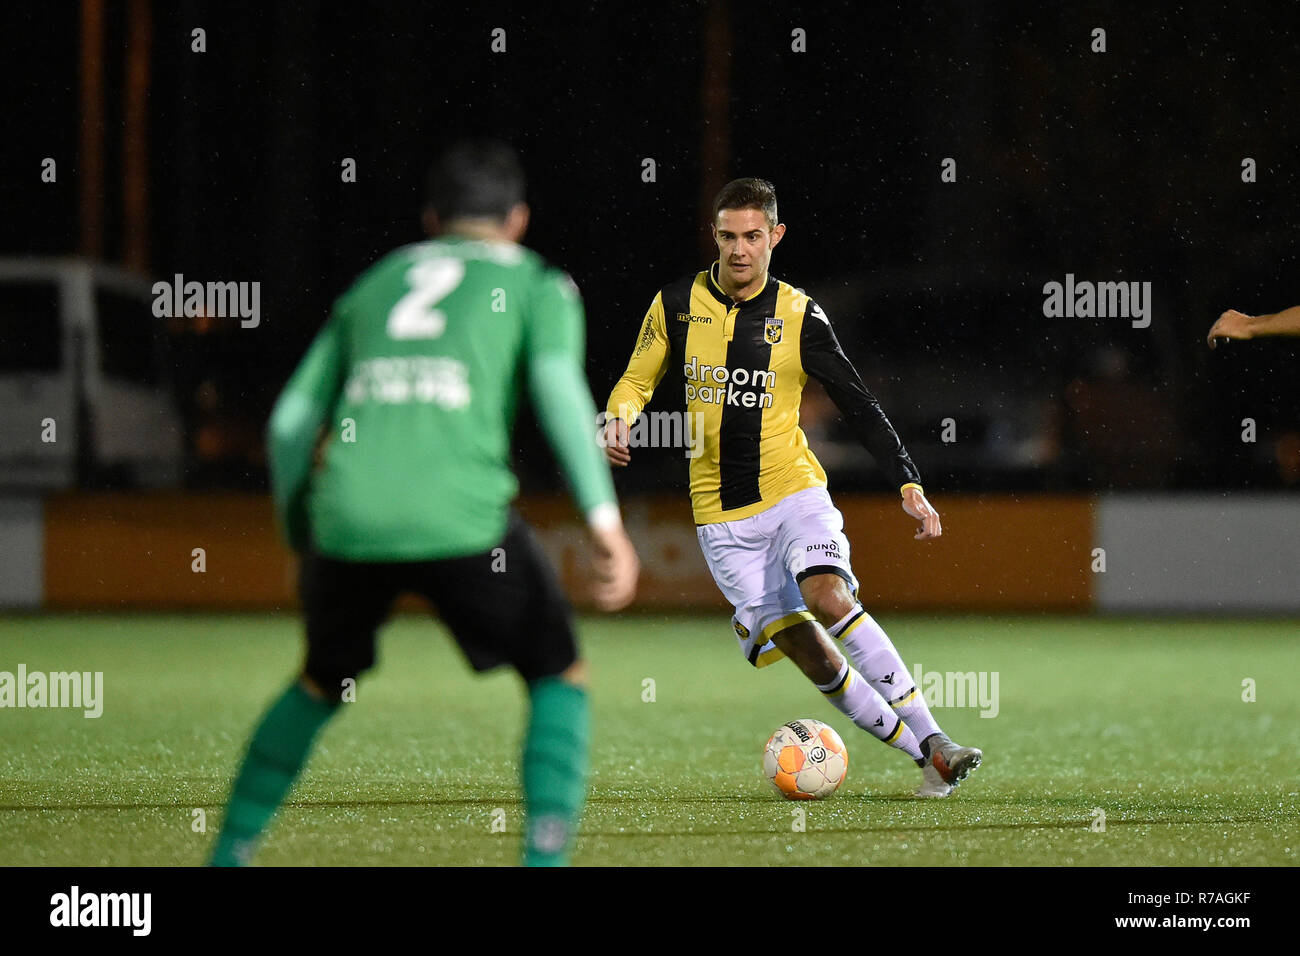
(1143,719)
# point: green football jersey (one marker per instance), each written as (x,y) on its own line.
(415,378)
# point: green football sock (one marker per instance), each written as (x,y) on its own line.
(278,750)
(554,770)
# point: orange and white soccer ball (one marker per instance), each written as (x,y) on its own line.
(805,760)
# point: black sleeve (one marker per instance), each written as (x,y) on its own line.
(824,360)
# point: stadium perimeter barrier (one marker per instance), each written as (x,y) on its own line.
(1192,553)
(1135,553)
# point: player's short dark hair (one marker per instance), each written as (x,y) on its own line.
(747,194)
(479,178)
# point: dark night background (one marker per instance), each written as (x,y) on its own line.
(1116,166)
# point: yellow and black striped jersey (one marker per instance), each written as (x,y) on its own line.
(745,365)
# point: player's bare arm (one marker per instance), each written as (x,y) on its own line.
(1237,325)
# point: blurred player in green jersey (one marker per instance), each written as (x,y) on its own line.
(413,382)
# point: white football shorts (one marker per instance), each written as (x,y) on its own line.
(759,561)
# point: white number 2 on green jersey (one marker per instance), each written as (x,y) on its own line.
(415,316)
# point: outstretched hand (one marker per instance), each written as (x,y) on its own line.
(1230,325)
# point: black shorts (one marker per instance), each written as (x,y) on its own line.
(504,606)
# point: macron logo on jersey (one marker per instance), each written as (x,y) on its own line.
(716,384)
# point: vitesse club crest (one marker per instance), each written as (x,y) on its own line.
(772,330)
(742,632)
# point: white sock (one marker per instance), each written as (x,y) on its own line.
(858,700)
(870,648)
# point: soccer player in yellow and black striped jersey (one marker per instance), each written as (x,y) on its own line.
(747,342)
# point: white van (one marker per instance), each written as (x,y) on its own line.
(85,397)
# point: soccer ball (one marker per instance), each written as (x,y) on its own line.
(805,760)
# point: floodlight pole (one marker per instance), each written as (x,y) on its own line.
(91,172)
